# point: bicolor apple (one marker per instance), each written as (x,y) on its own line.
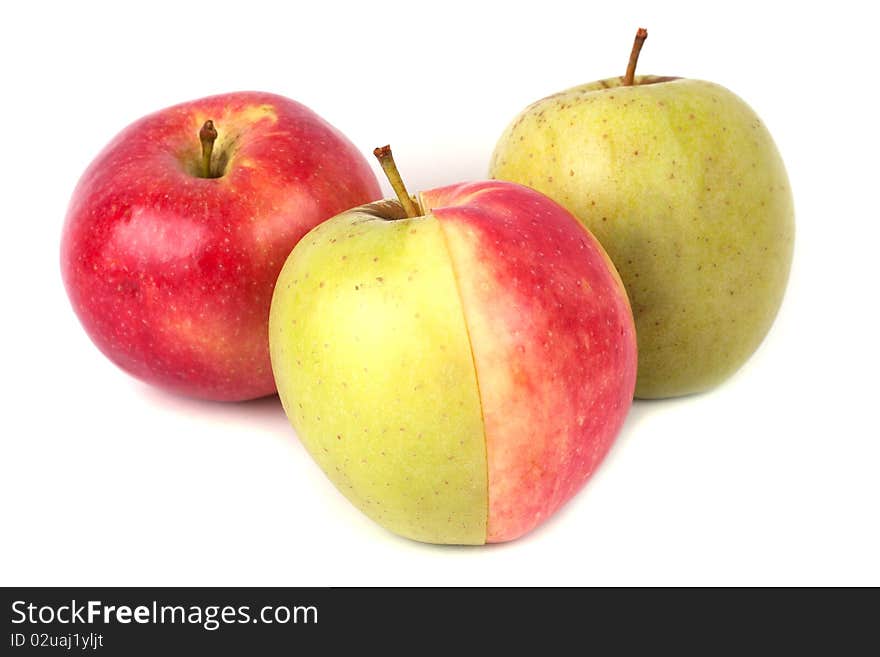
(458,364)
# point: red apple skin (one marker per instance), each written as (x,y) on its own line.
(553,342)
(171,274)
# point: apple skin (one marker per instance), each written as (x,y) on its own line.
(171,274)
(458,375)
(682,184)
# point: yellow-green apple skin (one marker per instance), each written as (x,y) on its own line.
(683,185)
(457,375)
(371,357)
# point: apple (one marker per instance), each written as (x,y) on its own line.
(176,233)
(682,184)
(457,364)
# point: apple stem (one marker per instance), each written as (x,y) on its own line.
(629,78)
(386,159)
(207,135)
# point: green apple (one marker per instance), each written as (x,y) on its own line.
(458,365)
(682,184)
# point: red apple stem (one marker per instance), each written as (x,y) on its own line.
(629,78)
(207,135)
(386,159)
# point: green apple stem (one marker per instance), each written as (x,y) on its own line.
(629,78)
(386,159)
(207,135)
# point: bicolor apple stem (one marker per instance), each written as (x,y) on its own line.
(207,135)
(629,78)
(386,159)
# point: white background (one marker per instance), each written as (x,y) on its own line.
(770,479)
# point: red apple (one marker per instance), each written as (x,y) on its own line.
(177,231)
